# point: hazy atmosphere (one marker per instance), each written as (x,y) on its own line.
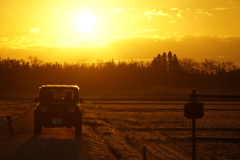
(73,30)
(119,80)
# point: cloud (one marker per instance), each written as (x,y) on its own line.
(156,13)
(118,9)
(171,21)
(179,15)
(3,41)
(123,10)
(18,42)
(34,30)
(174,9)
(153,12)
(204,13)
(21,42)
(62,43)
(220,9)
(223,57)
(149,30)
(224,8)
(197,46)
(229,39)
(40,47)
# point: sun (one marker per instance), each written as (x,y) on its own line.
(86,22)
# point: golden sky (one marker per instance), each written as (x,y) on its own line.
(76,30)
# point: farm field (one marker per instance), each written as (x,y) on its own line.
(121,129)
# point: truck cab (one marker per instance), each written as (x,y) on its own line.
(58,106)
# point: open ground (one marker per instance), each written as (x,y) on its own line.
(121,129)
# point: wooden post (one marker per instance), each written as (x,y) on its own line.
(9,121)
(194,139)
(194,128)
(144,153)
(194,99)
(1,120)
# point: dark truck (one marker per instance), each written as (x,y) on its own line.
(58,106)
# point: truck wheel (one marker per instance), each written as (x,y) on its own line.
(37,128)
(78,129)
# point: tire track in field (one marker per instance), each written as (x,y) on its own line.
(117,145)
(164,152)
(94,146)
(125,145)
(113,140)
(158,145)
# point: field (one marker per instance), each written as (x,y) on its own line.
(121,129)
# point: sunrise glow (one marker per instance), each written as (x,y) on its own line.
(70,30)
(119,79)
(86,22)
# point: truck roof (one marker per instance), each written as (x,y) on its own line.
(59,86)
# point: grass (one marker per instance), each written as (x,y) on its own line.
(126,127)
(15,108)
(171,116)
(163,129)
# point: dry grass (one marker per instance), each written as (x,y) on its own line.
(15,108)
(124,128)
(164,130)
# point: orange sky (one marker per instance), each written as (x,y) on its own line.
(126,29)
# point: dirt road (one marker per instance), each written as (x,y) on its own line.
(59,143)
(54,143)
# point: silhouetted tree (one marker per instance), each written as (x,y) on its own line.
(170,61)
(164,64)
(21,75)
(175,63)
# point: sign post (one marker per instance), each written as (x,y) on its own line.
(194,110)
(194,128)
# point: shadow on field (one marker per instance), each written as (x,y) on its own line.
(50,148)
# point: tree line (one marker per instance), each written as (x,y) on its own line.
(164,70)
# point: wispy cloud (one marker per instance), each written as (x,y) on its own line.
(179,15)
(222,48)
(150,30)
(224,8)
(220,9)
(153,12)
(172,21)
(41,46)
(62,43)
(34,30)
(203,13)
(15,43)
(123,10)
(174,9)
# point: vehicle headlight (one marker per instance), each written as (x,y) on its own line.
(71,110)
(43,109)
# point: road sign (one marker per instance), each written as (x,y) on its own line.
(193,110)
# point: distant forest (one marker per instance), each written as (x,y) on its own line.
(165,70)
